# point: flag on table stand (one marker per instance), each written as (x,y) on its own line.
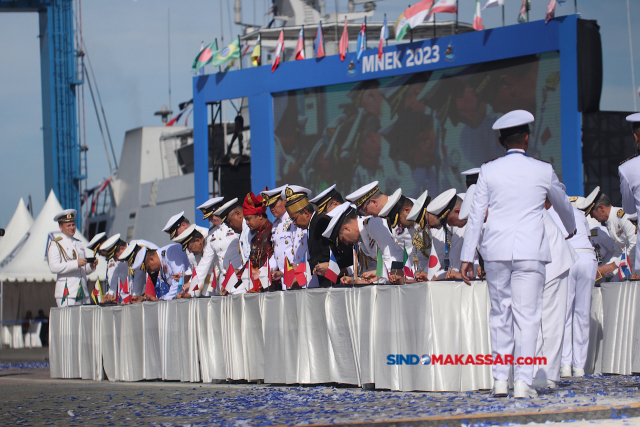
(193,274)
(379,264)
(256,55)
(230,279)
(551,11)
(624,269)
(318,42)
(408,272)
(65,293)
(205,56)
(299,52)
(434,264)
(150,288)
(362,39)
(301,273)
(181,281)
(289,273)
(97,293)
(522,16)
(344,41)
(162,288)
(231,51)
(333,271)
(264,277)
(411,17)
(80,295)
(278,51)
(384,35)
(477,19)
(125,298)
(493,3)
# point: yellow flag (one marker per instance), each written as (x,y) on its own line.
(257,52)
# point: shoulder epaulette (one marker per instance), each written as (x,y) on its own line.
(57,239)
(573,198)
(164,253)
(632,157)
(594,232)
(488,161)
(366,221)
(620,213)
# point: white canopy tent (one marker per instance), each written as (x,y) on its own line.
(20,223)
(28,261)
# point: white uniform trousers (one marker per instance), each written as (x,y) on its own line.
(549,344)
(576,328)
(72,301)
(515,289)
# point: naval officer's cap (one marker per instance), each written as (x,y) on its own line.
(186,237)
(96,242)
(296,197)
(634,119)
(363,194)
(391,210)
(110,246)
(465,208)
(338,215)
(271,197)
(67,215)
(322,200)
(173,224)
(224,210)
(513,122)
(209,206)
(442,205)
(471,176)
(589,202)
(576,201)
(419,210)
(145,248)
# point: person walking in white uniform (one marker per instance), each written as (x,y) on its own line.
(514,246)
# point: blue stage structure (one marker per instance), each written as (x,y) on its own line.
(259,84)
(58,68)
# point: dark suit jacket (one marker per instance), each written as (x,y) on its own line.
(318,245)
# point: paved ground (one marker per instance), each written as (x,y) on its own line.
(31,397)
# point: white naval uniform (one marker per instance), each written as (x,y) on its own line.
(629,172)
(554,300)
(120,274)
(582,278)
(173,261)
(420,256)
(63,254)
(623,233)
(515,250)
(205,233)
(288,241)
(374,235)
(244,247)
(111,267)
(603,243)
(221,249)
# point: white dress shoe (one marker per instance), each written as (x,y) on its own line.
(522,390)
(500,388)
(577,372)
(565,371)
(543,383)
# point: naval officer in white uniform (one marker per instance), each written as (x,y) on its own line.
(67,260)
(629,172)
(514,247)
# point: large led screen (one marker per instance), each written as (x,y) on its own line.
(414,131)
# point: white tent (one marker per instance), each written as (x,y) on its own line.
(29,262)
(20,223)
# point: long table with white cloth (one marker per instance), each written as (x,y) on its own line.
(313,336)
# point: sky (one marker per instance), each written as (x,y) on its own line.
(127,42)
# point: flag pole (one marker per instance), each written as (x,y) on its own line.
(365,33)
(575,3)
(240,47)
(217,47)
(337,42)
(503,15)
(386,41)
(434,25)
(457,16)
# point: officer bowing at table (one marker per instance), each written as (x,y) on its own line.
(169,263)
(621,230)
(370,234)
(67,259)
(111,249)
(231,214)
(192,242)
(288,240)
(514,246)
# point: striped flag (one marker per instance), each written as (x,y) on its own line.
(411,17)
(333,271)
(278,51)
(551,11)
(299,52)
(384,35)
(408,271)
(624,269)
(256,55)
(493,3)
(362,39)
(318,42)
(477,19)
(344,41)
(522,16)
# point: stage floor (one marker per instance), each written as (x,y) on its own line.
(31,397)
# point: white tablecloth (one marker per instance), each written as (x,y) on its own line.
(621,328)
(314,336)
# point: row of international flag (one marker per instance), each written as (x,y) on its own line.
(420,12)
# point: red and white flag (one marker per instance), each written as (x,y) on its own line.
(551,11)
(230,279)
(477,19)
(333,271)
(299,53)
(444,6)
(278,52)
(384,35)
(344,41)
(493,3)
